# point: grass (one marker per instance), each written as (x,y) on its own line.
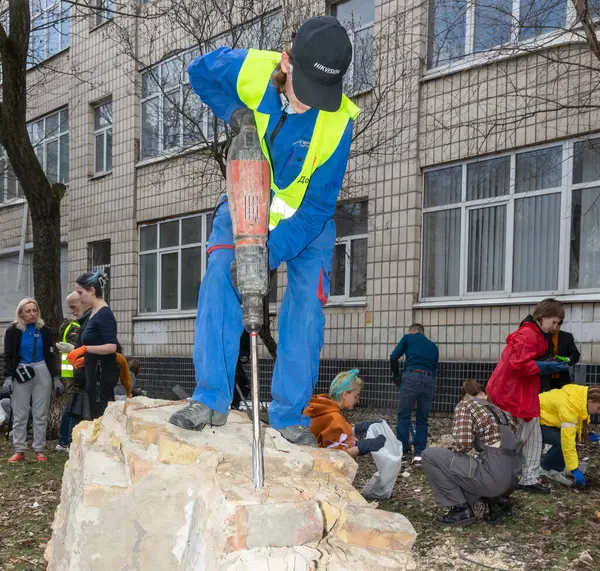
(545,533)
(29,495)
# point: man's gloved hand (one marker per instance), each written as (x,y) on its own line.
(360,428)
(59,388)
(397,379)
(7,387)
(578,477)
(76,353)
(79,363)
(549,367)
(65,347)
(239,117)
(593,437)
(370,445)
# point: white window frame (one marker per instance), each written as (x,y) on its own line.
(171,250)
(511,49)
(349,77)
(346,297)
(104,131)
(563,291)
(47,139)
(104,11)
(8,195)
(42,9)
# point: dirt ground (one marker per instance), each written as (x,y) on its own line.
(560,532)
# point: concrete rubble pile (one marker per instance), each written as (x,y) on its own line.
(142,495)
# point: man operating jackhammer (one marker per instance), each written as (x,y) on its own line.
(304,124)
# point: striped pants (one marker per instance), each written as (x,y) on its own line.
(530,434)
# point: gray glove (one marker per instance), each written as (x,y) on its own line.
(59,388)
(65,347)
(7,387)
(239,117)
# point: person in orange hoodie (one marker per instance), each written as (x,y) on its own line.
(329,425)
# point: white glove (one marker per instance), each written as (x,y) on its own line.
(65,347)
(7,387)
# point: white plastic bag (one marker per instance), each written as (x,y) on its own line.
(2,415)
(388,461)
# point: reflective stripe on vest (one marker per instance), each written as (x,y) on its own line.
(253,81)
(66,369)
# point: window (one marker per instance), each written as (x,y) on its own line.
(459,28)
(172,263)
(173,117)
(105,11)
(99,261)
(349,273)
(9,185)
(357,16)
(103,138)
(50,138)
(50,29)
(505,226)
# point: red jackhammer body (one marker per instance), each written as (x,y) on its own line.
(249,192)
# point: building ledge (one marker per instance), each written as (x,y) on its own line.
(529,300)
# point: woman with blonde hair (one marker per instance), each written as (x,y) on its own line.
(29,374)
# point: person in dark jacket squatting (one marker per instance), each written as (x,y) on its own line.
(560,344)
(416,385)
(459,479)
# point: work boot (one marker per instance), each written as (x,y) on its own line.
(459,515)
(299,435)
(195,416)
(536,488)
(498,509)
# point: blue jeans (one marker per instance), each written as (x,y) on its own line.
(416,389)
(65,431)
(300,326)
(553,460)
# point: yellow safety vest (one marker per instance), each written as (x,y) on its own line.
(66,369)
(252,84)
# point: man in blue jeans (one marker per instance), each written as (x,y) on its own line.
(415,386)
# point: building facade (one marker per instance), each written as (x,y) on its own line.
(472,192)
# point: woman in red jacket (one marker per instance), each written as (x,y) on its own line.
(515,384)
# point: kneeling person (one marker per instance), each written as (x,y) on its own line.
(459,479)
(328,423)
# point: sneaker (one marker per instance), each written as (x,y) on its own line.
(535,488)
(459,515)
(498,509)
(62,447)
(299,435)
(18,457)
(556,476)
(40,457)
(416,461)
(195,416)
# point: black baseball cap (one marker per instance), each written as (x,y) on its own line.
(321,55)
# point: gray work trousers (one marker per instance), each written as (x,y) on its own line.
(33,395)
(456,478)
(530,434)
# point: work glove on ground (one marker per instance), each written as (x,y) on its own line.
(59,388)
(239,117)
(76,353)
(360,428)
(370,445)
(7,387)
(593,437)
(549,367)
(65,347)
(579,477)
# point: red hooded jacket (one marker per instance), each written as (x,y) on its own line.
(515,383)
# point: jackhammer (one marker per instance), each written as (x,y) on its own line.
(249,192)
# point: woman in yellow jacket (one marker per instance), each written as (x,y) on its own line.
(563,413)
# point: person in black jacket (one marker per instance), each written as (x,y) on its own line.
(560,343)
(28,348)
